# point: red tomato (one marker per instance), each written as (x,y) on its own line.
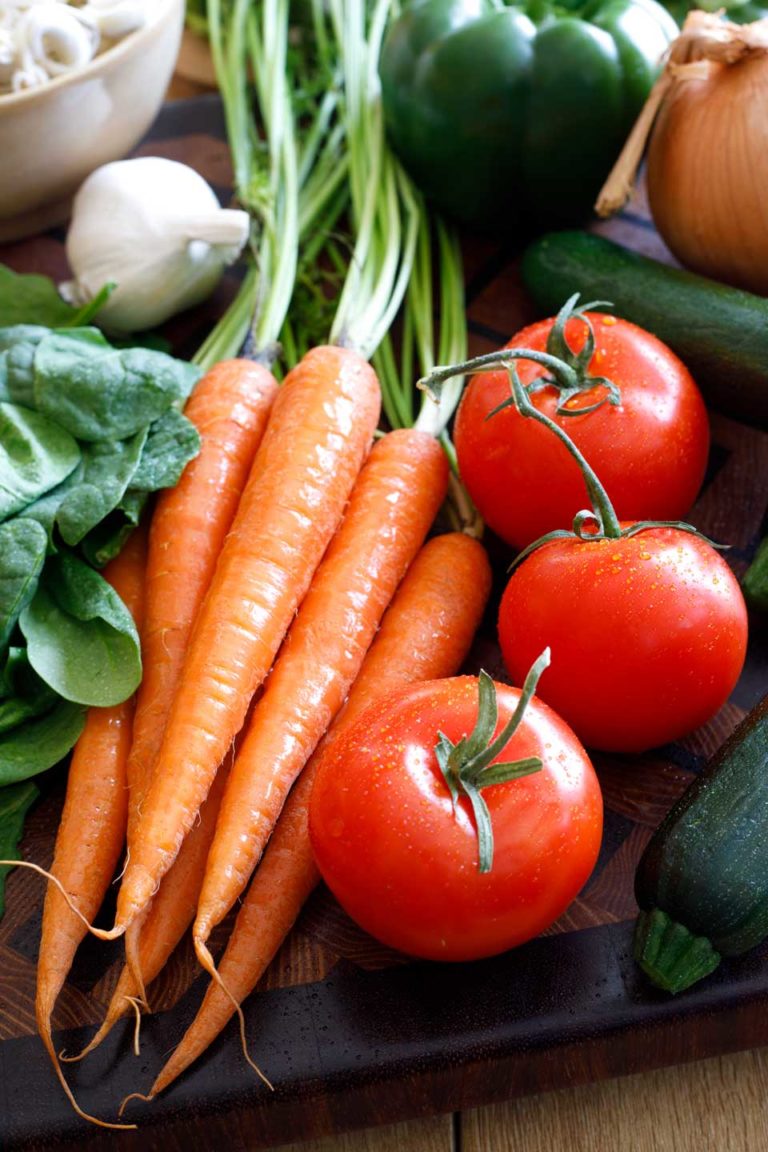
(405,866)
(650,451)
(648,634)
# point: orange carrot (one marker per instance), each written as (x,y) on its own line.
(425,634)
(393,504)
(170,914)
(91,834)
(229,407)
(319,432)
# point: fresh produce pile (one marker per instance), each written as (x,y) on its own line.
(273,694)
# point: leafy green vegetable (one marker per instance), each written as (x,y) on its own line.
(23,546)
(108,469)
(46,508)
(28,299)
(87,432)
(35,456)
(14,805)
(172,442)
(13,334)
(98,392)
(40,743)
(107,539)
(20,369)
(27,696)
(81,639)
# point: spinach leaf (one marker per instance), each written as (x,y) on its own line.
(20,371)
(24,694)
(27,299)
(45,509)
(14,805)
(104,542)
(35,456)
(98,392)
(38,744)
(23,545)
(20,333)
(108,468)
(107,539)
(172,442)
(81,639)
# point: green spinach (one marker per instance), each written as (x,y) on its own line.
(81,639)
(23,546)
(15,802)
(35,456)
(88,431)
(110,393)
(39,743)
(108,468)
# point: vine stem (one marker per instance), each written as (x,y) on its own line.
(432,384)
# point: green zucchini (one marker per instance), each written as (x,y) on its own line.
(720,333)
(754,582)
(702,882)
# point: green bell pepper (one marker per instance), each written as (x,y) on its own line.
(498,110)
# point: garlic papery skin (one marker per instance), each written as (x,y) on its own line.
(155,228)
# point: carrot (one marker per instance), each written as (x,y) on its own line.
(319,431)
(170,914)
(426,633)
(91,834)
(229,407)
(393,504)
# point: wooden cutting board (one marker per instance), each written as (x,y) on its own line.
(350,1033)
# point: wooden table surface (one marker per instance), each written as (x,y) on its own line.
(720,1104)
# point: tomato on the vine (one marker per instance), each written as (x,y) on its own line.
(650,449)
(648,633)
(404,861)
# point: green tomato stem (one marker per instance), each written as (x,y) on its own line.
(433,385)
(467,767)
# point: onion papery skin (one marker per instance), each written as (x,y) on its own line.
(707,173)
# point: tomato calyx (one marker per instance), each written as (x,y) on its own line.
(599,522)
(466,765)
(577,362)
(568,370)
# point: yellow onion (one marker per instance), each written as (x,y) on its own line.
(707,157)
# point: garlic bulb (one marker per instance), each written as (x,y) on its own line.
(154,228)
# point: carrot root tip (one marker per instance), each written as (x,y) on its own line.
(101,933)
(134,1096)
(206,960)
(137,1005)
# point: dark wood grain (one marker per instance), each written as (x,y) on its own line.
(349,1032)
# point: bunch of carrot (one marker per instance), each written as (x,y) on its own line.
(282,586)
(267,573)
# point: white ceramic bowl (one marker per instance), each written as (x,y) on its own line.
(53,136)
